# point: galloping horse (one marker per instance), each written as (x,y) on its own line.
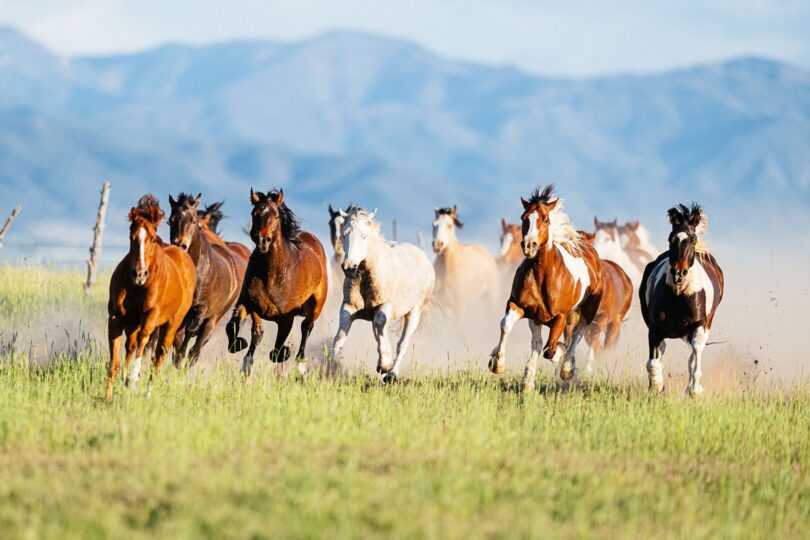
(385,281)
(607,244)
(218,276)
(560,275)
(286,277)
(464,272)
(510,252)
(151,289)
(679,293)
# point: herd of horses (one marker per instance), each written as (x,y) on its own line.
(578,284)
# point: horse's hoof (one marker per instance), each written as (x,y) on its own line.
(301,366)
(526,387)
(280,355)
(384,368)
(497,365)
(390,378)
(694,392)
(566,374)
(239,344)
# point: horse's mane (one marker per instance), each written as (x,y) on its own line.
(697,218)
(147,208)
(561,230)
(214,211)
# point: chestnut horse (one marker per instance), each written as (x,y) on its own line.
(560,276)
(679,293)
(151,289)
(286,276)
(218,276)
(510,252)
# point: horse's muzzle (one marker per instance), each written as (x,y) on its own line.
(679,275)
(349,270)
(264,244)
(438,246)
(530,248)
(139,277)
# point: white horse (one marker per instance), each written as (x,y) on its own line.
(385,281)
(465,272)
(607,244)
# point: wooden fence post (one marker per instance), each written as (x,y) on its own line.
(4,230)
(98,234)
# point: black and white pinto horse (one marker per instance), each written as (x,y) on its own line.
(679,293)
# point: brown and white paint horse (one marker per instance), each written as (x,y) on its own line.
(635,240)
(510,253)
(151,289)
(679,293)
(465,273)
(286,277)
(560,276)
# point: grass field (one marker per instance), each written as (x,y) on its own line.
(461,455)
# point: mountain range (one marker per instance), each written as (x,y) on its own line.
(385,123)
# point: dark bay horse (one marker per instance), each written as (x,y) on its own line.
(560,275)
(151,289)
(219,278)
(679,294)
(286,277)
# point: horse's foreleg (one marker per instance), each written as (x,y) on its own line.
(344,325)
(530,372)
(380,323)
(306,329)
(497,362)
(115,331)
(698,342)
(411,324)
(569,366)
(256,334)
(556,329)
(280,352)
(131,348)
(236,343)
(655,369)
(203,336)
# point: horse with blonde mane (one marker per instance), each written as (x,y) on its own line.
(561,275)
(151,289)
(679,293)
(464,272)
(384,281)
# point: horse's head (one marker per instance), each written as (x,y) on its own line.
(444,227)
(510,234)
(210,217)
(536,220)
(630,231)
(358,229)
(184,220)
(144,220)
(687,224)
(337,218)
(610,228)
(272,220)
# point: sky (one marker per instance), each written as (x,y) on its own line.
(572,38)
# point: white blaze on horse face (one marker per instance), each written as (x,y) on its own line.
(506,243)
(142,248)
(579,270)
(681,236)
(533,234)
(442,232)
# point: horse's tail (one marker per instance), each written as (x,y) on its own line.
(429,308)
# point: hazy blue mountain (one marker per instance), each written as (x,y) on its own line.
(381,122)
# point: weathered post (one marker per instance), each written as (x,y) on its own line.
(98,234)
(4,230)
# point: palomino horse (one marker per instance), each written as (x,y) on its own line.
(636,243)
(209,219)
(679,294)
(510,253)
(151,289)
(286,277)
(218,277)
(385,281)
(464,272)
(560,275)
(607,244)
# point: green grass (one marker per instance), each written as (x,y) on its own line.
(453,456)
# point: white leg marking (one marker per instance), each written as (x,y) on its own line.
(698,342)
(342,333)
(136,370)
(382,319)
(499,352)
(411,324)
(530,372)
(655,369)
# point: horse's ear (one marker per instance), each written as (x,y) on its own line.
(197,200)
(504,225)
(595,222)
(552,205)
(280,198)
(436,210)
(615,222)
(332,212)
(255,196)
(525,203)
(172,202)
(133,213)
(372,214)
(675,217)
(342,213)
